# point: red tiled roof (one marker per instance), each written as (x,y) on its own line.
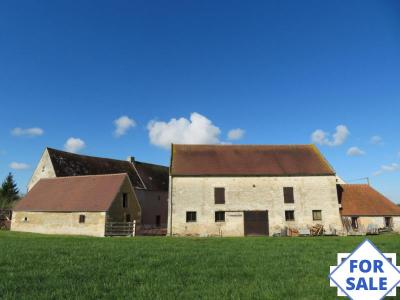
(93,193)
(248,160)
(363,200)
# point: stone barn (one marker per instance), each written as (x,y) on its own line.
(363,207)
(236,190)
(79,205)
(150,181)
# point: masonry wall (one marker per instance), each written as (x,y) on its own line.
(59,223)
(118,213)
(44,169)
(250,193)
(153,203)
(378,221)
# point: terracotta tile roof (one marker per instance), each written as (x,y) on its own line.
(71,164)
(248,160)
(363,200)
(72,194)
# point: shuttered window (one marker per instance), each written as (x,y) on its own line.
(288,195)
(191,216)
(219,195)
(82,218)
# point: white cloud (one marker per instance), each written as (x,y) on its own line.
(355,151)
(235,134)
(74,145)
(197,130)
(122,125)
(31,132)
(323,138)
(376,140)
(388,169)
(19,166)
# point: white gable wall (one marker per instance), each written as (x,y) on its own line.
(44,169)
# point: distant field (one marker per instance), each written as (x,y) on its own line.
(43,267)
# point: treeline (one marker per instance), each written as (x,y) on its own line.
(9,192)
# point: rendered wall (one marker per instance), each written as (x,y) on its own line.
(59,223)
(153,203)
(44,169)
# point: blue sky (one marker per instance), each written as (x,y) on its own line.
(277,70)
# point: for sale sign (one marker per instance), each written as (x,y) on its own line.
(366,274)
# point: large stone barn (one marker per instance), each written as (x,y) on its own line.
(150,181)
(79,205)
(364,208)
(236,190)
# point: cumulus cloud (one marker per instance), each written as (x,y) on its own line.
(19,166)
(74,145)
(324,138)
(30,132)
(376,140)
(388,169)
(235,134)
(355,151)
(197,130)
(122,125)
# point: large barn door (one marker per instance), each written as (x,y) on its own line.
(256,223)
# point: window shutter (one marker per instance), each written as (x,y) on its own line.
(219,195)
(288,195)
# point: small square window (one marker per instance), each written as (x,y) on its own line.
(219,195)
(191,216)
(288,195)
(26,219)
(124,200)
(219,216)
(317,215)
(289,215)
(82,218)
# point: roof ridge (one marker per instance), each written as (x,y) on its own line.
(80,176)
(91,156)
(247,145)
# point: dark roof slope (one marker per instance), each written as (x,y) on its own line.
(155,177)
(363,200)
(73,194)
(248,160)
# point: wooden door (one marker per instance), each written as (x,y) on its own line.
(256,223)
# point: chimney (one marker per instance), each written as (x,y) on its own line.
(131,159)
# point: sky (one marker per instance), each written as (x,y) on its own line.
(127,78)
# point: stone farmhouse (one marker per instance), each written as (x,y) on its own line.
(80,205)
(236,190)
(149,181)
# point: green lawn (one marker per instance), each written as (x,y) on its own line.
(42,267)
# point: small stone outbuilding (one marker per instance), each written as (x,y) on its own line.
(362,207)
(79,205)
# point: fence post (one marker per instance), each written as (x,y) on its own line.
(134,228)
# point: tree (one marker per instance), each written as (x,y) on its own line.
(9,190)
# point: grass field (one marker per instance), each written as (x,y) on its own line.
(43,267)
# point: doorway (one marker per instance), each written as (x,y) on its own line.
(256,223)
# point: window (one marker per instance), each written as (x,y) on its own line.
(82,218)
(219,195)
(317,215)
(190,216)
(354,222)
(388,222)
(26,219)
(124,200)
(219,216)
(289,215)
(128,218)
(288,195)
(158,221)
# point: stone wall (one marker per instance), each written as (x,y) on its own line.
(378,221)
(44,169)
(59,223)
(250,193)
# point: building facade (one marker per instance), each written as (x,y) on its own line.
(225,190)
